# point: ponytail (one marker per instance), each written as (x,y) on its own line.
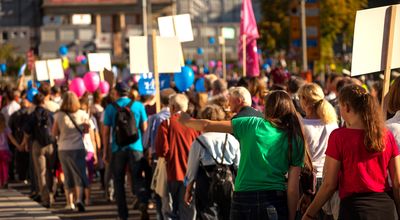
(326,112)
(367,107)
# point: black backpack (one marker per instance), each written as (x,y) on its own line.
(43,122)
(125,129)
(222,177)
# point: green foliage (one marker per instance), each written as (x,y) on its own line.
(336,18)
(13,62)
(274,27)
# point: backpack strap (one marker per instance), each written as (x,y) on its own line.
(129,105)
(204,146)
(224,149)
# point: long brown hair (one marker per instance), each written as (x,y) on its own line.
(281,112)
(362,103)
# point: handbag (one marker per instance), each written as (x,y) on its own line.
(159,180)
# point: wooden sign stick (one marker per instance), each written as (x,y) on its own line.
(244,45)
(389,53)
(156,74)
(223,58)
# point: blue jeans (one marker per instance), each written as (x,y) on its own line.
(271,205)
(119,161)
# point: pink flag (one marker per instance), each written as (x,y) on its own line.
(248,27)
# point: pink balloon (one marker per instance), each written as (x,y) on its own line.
(194,68)
(92,81)
(219,64)
(104,87)
(211,63)
(77,86)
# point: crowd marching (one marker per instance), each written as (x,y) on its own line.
(270,147)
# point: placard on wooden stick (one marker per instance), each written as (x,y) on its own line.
(376,45)
(98,62)
(141,54)
(49,70)
(177,25)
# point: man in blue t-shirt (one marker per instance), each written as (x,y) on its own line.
(123,155)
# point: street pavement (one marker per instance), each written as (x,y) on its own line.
(15,204)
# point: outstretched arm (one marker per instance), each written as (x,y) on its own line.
(205,125)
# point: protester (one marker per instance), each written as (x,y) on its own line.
(12,99)
(204,152)
(50,105)
(357,159)
(173,143)
(43,154)
(294,84)
(70,125)
(163,202)
(130,154)
(393,124)
(320,120)
(270,148)
(258,90)
(5,154)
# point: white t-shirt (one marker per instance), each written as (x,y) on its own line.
(393,125)
(9,109)
(317,134)
(70,138)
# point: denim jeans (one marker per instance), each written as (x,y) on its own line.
(271,205)
(119,161)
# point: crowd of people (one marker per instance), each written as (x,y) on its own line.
(270,147)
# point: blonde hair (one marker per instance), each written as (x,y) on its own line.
(179,102)
(70,103)
(314,97)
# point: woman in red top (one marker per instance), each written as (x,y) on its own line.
(358,157)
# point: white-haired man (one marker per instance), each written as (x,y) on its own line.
(240,103)
(173,143)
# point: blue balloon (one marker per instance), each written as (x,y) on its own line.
(146,86)
(3,68)
(184,80)
(30,84)
(200,51)
(199,85)
(206,70)
(265,66)
(63,50)
(164,81)
(31,94)
(211,40)
(188,62)
(84,61)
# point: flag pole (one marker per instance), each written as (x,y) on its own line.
(244,45)
(223,57)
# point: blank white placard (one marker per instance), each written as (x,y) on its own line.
(99,61)
(55,68)
(42,73)
(370,33)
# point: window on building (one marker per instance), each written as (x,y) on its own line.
(67,35)
(106,21)
(23,34)
(49,35)
(5,35)
(86,35)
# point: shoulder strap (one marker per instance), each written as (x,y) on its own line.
(224,149)
(130,103)
(73,122)
(116,105)
(204,146)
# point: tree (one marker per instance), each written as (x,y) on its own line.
(337,17)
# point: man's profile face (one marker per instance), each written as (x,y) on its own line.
(234,103)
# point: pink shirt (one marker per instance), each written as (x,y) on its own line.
(361,171)
(3,139)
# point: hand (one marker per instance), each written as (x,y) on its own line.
(305,201)
(307,217)
(105,157)
(95,160)
(184,118)
(85,128)
(188,197)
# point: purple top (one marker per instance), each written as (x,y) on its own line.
(3,139)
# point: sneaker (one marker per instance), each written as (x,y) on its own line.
(80,206)
(70,207)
